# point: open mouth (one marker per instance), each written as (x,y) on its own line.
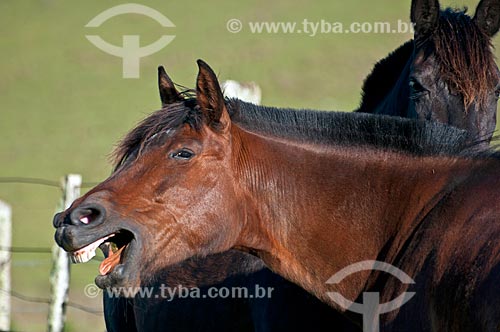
(113,246)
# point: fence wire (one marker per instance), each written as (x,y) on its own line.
(34,299)
(36,250)
(42,182)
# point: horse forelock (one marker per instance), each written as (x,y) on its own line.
(170,117)
(464,54)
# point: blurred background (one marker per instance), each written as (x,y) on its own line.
(64,103)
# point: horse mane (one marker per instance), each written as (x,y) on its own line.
(465,57)
(383,77)
(317,127)
(351,129)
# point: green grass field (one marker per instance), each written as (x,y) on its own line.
(64,103)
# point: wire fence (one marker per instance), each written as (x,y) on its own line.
(41,250)
(34,299)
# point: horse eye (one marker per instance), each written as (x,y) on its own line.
(182,154)
(416,86)
(416,89)
(497,93)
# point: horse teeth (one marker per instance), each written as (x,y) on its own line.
(88,256)
(83,256)
(87,253)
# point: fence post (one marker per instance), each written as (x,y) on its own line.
(59,276)
(5,243)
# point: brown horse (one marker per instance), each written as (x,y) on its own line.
(289,309)
(308,192)
(447,74)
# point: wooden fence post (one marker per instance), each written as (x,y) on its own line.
(5,244)
(59,276)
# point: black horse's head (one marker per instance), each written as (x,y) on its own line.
(447,74)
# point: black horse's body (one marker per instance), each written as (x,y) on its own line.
(277,305)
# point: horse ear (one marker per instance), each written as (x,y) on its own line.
(424,15)
(487,16)
(168,92)
(209,95)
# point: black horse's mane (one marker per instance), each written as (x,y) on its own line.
(383,77)
(310,126)
(465,56)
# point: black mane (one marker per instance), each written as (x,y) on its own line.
(350,129)
(383,77)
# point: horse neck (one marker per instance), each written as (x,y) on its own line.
(313,210)
(397,101)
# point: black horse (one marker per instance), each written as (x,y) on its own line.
(420,79)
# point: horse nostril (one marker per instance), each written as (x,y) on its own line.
(86,215)
(57,221)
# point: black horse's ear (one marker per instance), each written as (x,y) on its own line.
(209,94)
(425,16)
(487,16)
(168,92)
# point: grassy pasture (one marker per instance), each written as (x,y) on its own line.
(64,103)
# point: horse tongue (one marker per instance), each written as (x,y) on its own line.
(110,262)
